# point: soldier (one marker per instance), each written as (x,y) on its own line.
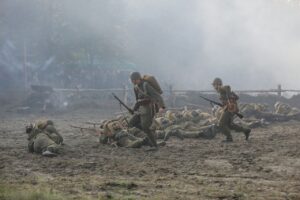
(161,123)
(229,109)
(43,138)
(114,133)
(180,131)
(285,109)
(191,115)
(252,109)
(174,116)
(48,127)
(148,102)
(161,129)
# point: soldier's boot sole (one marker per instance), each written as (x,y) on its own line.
(49,154)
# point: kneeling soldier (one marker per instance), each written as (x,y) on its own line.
(43,138)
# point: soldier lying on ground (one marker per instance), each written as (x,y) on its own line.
(283,112)
(184,124)
(186,129)
(182,131)
(196,116)
(251,109)
(115,133)
(285,109)
(43,138)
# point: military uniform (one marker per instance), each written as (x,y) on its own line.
(252,109)
(283,112)
(44,139)
(182,131)
(285,109)
(161,123)
(191,115)
(174,116)
(115,133)
(225,122)
(148,101)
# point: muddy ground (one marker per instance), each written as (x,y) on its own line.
(266,167)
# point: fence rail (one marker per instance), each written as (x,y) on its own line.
(278,91)
(172,94)
(126,89)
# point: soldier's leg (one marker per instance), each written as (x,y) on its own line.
(208,132)
(238,128)
(189,134)
(224,125)
(146,121)
(135,121)
(173,132)
(205,133)
(41,142)
(138,143)
(45,146)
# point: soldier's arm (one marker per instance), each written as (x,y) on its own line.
(226,89)
(230,93)
(51,129)
(155,95)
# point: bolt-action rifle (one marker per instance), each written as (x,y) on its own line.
(221,105)
(123,104)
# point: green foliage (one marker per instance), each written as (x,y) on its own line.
(14,193)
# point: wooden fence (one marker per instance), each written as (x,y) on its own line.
(173,93)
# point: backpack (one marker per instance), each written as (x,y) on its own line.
(153,82)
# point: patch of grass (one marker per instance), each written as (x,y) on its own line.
(15,193)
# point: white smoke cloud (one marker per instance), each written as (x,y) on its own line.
(250,44)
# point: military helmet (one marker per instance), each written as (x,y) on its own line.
(217,81)
(41,124)
(135,76)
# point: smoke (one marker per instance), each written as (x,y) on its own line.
(249,44)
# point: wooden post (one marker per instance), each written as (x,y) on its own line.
(126,94)
(279,90)
(25,65)
(172,96)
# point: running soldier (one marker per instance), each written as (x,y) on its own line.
(148,103)
(229,110)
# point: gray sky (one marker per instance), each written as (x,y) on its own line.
(250,44)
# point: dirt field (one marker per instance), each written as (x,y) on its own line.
(266,167)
